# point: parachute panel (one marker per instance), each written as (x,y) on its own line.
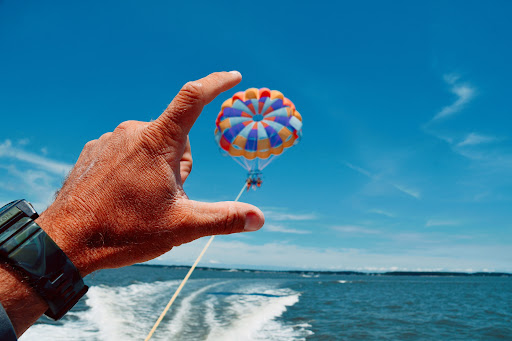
(257,125)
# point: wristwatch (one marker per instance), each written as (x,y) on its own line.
(25,246)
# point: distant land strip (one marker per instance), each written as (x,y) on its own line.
(359,273)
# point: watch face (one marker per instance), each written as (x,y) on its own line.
(6,207)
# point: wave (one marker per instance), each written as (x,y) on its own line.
(253,316)
(238,312)
(113,313)
(184,314)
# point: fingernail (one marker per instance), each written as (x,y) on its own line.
(252,222)
(236,73)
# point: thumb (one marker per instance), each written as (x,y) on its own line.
(206,219)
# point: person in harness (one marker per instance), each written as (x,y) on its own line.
(254,180)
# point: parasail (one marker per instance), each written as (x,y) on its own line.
(255,126)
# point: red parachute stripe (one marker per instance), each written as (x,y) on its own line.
(224,144)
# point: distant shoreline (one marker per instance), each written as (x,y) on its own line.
(345,273)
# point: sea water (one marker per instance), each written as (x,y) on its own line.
(123,304)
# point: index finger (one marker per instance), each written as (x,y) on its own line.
(185,108)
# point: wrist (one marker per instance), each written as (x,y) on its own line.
(57,225)
(36,276)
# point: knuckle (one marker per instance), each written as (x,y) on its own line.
(125,125)
(105,136)
(130,125)
(90,144)
(161,135)
(154,137)
(192,92)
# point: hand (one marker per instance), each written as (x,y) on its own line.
(123,202)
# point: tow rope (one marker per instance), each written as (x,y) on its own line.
(186,278)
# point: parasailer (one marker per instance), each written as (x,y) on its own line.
(254,180)
(254,127)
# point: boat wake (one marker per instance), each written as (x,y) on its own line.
(222,310)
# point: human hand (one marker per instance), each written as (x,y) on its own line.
(124,203)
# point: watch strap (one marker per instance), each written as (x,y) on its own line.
(27,247)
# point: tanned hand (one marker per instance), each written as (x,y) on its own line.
(123,202)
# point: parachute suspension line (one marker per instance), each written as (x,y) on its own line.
(270,159)
(186,278)
(265,163)
(256,164)
(259,163)
(243,164)
(248,164)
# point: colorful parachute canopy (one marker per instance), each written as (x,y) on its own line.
(256,126)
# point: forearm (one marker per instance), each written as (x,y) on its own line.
(21,302)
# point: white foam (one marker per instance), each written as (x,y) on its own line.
(179,321)
(128,313)
(309,276)
(115,313)
(254,317)
(69,331)
(210,316)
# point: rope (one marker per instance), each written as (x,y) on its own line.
(185,279)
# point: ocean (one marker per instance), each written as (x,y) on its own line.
(123,304)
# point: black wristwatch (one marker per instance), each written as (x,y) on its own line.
(24,245)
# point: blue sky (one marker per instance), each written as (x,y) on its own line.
(406,158)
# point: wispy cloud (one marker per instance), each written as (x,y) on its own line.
(29,175)
(464,93)
(382,212)
(476,139)
(404,189)
(409,191)
(354,229)
(440,222)
(473,146)
(360,170)
(283,216)
(283,229)
(35,185)
(493,159)
(8,150)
